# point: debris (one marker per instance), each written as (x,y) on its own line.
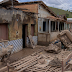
(5,52)
(31,41)
(53,48)
(55,62)
(66,38)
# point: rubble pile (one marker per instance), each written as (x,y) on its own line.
(52,48)
(55,62)
(5,52)
(66,38)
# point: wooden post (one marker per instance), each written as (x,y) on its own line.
(58,26)
(49,26)
(62,64)
(52,26)
(55,25)
(8,67)
(64,26)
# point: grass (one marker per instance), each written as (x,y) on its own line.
(61,12)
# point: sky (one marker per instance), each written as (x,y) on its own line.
(61,4)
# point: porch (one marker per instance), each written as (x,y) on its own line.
(49,28)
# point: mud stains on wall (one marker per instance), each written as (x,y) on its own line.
(15,19)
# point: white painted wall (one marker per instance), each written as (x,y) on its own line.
(69,19)
(43,12)
(40,24)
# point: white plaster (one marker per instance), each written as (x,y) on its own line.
(17,45)
(43,12)
(49,26)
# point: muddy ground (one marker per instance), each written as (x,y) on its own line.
(21,54)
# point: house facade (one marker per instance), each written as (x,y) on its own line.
(42,11)
(48,24)
(32,18)
(70,24)
(15,27)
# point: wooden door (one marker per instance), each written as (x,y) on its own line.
(4,31)
(32,30)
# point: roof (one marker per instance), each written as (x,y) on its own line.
(63,17)
(38,2)
(7,2)
(52,18)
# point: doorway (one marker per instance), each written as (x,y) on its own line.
(24,34)
(4,31)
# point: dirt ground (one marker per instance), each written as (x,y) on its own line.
(21,54)
(28,51)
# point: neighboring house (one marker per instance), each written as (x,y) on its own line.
(70,20)
(68,23)
(15,26)
(48,24)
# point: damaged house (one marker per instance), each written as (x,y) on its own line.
(16,25)
(48,24)
(29,18)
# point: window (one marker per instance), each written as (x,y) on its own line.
(44,26)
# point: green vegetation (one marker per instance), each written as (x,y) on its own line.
(61,12)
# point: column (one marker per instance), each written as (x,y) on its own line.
(55,25)
(36,27)
(52,26)
(64,26)
(58,26)
(49,26)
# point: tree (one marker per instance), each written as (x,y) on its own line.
(67,15)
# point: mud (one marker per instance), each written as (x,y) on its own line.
(21,54)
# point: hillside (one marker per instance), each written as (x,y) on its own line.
(60,12)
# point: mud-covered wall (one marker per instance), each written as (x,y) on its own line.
(15,28)
(15,19)
(31,8)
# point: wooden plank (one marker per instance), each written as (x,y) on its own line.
(19,60)
(27,63)
(3,69)
(23,61)
(32,42)
(27,66)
